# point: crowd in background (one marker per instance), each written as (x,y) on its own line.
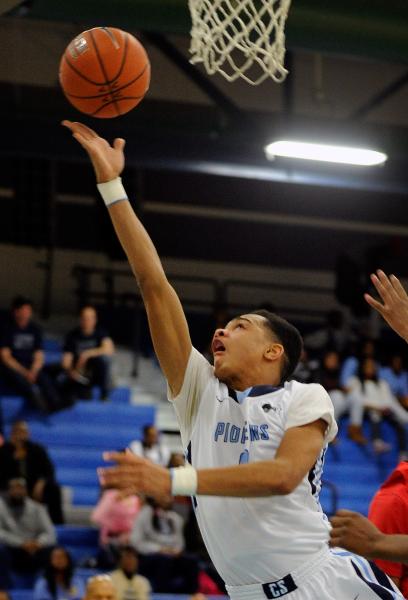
(146,544)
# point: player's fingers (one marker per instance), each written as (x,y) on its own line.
(76,127)
(339,522)
(119,144)
(386,283)
(84,129)
(344,512)
(379,287)
(374,303)
(123,458)
(126,492)
(335,541)
(82,140)
(398,287)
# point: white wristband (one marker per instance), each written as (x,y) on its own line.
(183,481)
(112,191)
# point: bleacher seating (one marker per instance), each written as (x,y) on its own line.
(357,472)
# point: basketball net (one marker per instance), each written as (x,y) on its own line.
(240,38)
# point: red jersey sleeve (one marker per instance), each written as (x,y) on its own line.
(389,513)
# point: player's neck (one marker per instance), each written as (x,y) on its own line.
(244,381)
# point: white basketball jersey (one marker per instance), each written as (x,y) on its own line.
(252,540)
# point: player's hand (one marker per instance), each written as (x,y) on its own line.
(355,533)
(135,475)
(108,161)
(394,308)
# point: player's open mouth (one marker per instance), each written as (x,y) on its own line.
(217,346)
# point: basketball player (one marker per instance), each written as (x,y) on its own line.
(255,443)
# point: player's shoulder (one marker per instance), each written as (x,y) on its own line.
(306,393)
(296,388)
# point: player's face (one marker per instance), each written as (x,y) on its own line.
(239,347)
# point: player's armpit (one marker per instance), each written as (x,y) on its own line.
(299,450)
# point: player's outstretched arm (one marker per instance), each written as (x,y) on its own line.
(394,306)
(168,325)
(356,533)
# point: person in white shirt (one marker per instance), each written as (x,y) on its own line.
(255,443)
(374,393)
(151,446)
(128,583)
(158,537)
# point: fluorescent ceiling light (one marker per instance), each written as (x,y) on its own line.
(325,153)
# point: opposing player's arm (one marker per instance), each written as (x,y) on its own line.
(167,322)
(297,453)
(356,533)
(394,306)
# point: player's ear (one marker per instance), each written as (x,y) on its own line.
(274,351)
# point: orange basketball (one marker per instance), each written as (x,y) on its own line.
(105,72)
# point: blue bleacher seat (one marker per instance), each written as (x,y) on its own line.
(81,542)
(23,594)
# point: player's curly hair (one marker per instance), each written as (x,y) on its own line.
(287,335)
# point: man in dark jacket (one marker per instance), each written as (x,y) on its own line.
(22,358)
(22,458)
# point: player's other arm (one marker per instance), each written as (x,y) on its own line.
(356,533)
(394,306)
(296,455)
(167,322)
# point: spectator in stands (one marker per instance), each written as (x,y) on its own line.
(100,587)
(376,396)
(351,364)
(26,533)
(22,458)
(329,377)
(306,369)
(151,447)
(59,581)
(397,378)
(115,517)
(335,336)
(87,356)
(158,538)
(128,583)
(22,358)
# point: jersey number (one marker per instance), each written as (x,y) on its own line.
(244,458)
